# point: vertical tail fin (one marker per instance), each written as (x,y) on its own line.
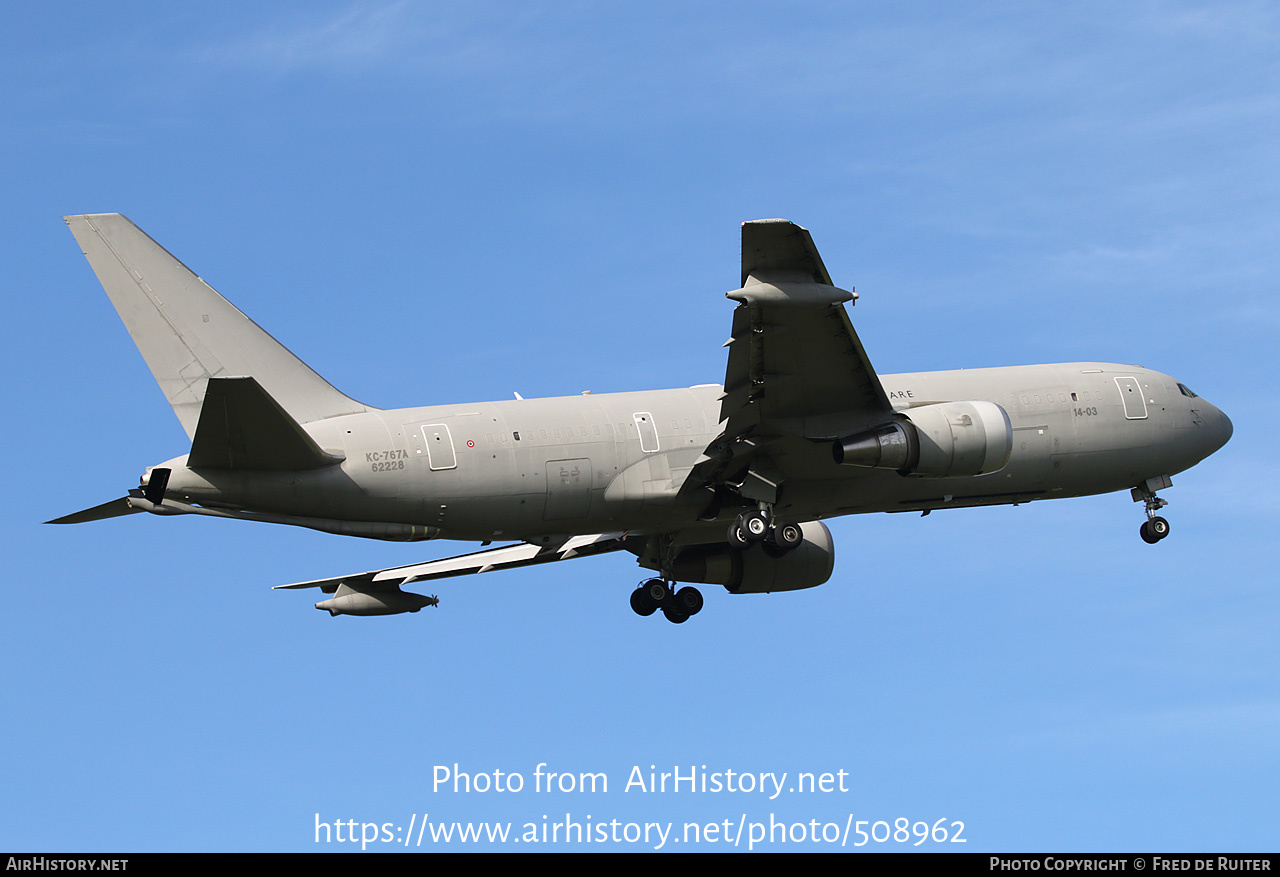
(188,333)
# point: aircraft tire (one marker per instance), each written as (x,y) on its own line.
(787,536)
(755,526)
(675,616)
(657,591)
(1147,536)
(737,538)
(641,604)
(689,600)
(1159,528)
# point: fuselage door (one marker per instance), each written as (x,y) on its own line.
(440,454)
(648,431)
(1135,406)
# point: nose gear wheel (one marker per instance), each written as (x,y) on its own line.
(1154,528)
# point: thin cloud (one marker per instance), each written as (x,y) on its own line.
(357,37)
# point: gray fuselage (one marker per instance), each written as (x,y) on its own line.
(533,469)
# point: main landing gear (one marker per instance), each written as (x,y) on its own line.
(775,538)
(657,594)
(759,526)
(1154,528)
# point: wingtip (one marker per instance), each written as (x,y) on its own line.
(87,216)
(114,508)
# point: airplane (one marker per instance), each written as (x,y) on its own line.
(718,484)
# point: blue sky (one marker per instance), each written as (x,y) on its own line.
(435,203)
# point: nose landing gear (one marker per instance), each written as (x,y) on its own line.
(1154,528)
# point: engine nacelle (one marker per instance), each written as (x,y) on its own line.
(754,571)
(383,601)
(946,440)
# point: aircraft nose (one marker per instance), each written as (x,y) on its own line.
(1225,429)
(1220,428)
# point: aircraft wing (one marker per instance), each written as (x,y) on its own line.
(505,557)
(796,366)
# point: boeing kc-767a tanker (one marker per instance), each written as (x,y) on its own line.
(712,484)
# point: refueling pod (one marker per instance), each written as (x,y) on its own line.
(374,601)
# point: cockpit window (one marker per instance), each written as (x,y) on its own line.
(1186,391)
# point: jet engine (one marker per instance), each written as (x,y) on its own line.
(946,440)
(760,569)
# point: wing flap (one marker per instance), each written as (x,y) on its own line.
(504,557)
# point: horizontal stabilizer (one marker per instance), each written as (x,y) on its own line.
(113,509)
(242,427)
